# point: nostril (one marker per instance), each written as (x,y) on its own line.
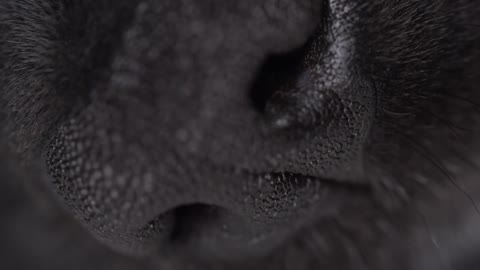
(277,74)
(190,219)
(203,221)
(186,226)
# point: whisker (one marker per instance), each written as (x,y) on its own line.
(467,161)
(396,114)
(428,156)
(428,229)
(349,239)
(454,129)
(463,99)
(468,24)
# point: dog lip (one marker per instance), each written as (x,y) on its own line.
(331,182)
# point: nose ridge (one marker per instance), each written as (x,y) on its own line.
(195,80)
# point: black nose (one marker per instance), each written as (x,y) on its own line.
(174,143)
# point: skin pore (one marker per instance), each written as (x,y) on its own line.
(269,134)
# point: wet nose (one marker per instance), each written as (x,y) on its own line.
(179,141)
(138,160)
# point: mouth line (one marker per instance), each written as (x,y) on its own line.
(330,182)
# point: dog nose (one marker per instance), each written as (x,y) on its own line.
(174,137)
(132,164)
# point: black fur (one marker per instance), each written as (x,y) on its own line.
(240,134)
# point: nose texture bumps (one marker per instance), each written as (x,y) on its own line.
(174,127)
